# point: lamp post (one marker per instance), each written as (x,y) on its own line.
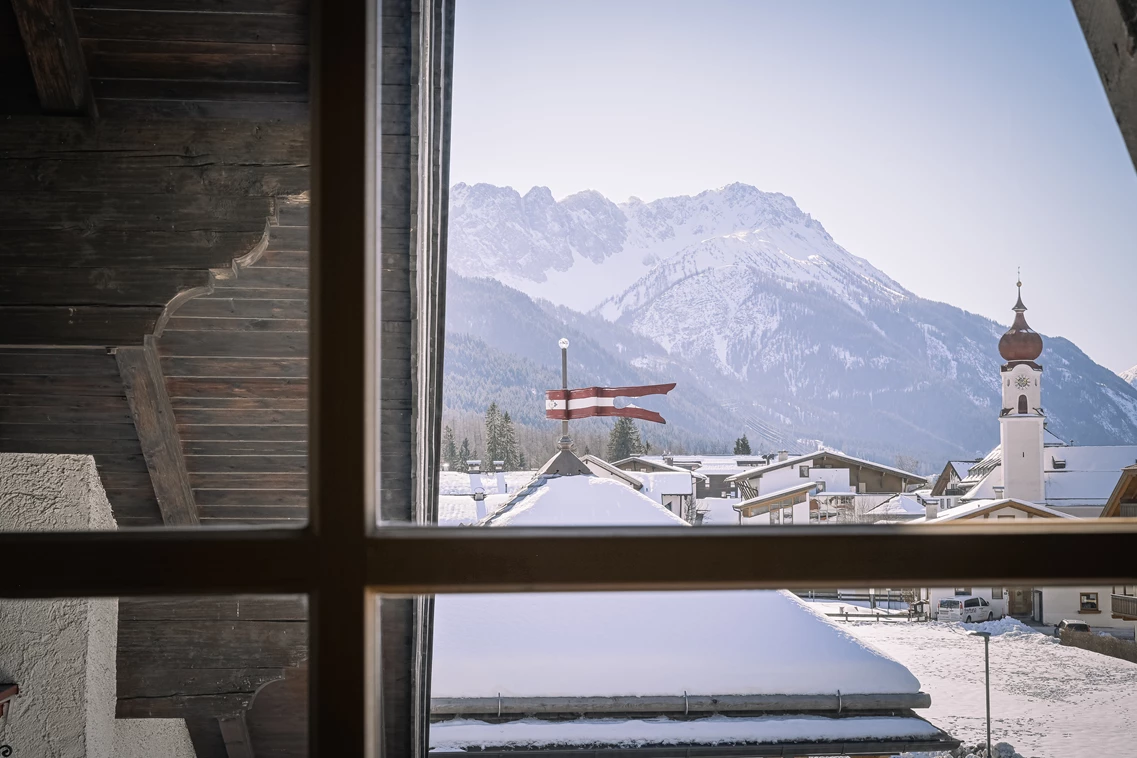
(987,679)
(564,443)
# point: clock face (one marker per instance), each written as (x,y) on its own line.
(1022,382)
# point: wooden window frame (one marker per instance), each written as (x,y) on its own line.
(344,562)
(1082,605)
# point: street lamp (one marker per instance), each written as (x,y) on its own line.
(987,678)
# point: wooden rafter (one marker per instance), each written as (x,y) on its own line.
(154,421)
(56,57)
(235,732)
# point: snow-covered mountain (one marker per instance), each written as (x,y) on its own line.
(1130,375)
(796,337)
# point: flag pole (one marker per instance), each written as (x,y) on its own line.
(565,443)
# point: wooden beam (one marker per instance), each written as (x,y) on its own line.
(55,54)
(235,732)
(158,433)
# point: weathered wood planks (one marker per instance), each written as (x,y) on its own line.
(70,401)
(52,44)
(157,433)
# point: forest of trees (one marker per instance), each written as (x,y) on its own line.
(494,436)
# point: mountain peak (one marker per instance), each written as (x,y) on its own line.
(1130,375)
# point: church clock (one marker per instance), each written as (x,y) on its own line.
(1022,382)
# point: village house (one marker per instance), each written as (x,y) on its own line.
(709,471)
(819,487)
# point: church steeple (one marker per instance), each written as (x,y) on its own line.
(1021,420)
(1020,343)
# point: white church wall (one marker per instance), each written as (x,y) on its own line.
(61,653)
(1021,438)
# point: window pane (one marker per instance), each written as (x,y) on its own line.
(717,670)
(185,677)
(797,362)
(154,307)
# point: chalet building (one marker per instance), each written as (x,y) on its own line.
(948,482)
(1122,503)
(820,487)
(708,471)
(517,671)
(1031,463)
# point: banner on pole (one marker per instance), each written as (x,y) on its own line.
(601,401)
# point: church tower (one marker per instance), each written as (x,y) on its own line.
(1021,420)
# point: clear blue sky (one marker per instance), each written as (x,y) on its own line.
(947,143)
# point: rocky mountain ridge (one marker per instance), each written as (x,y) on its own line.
(793,336)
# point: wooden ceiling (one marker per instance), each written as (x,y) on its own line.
(154,170)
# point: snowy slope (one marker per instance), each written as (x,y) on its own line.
(1130,375)
(790,334)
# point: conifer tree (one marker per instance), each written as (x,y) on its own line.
(507,440)
(493,437)
(624,440)
(464,455)
(742,445)
(449,449)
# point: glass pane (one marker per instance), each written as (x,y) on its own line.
(184,677)
(832,363)
(824,672)
(154,307)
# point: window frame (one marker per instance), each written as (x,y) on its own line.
(1082,603)
(344,561)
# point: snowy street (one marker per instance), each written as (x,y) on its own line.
(1047,700)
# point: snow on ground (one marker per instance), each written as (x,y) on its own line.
(1046,699)
(533,733)
(840,607)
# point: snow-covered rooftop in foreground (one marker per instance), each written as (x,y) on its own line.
(582,501)
(714,730)
(650,643)
(900,505)
(979,507)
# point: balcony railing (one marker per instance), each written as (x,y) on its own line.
(1124,605)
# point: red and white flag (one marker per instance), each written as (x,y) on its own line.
(601,401)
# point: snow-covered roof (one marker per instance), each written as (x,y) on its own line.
(601,467)
(718,511)
(534,734)
(1088,476)
(901,504)
(1080,487)
(770,497)
(978,507)
(665,482)
(581,501)
(657,461)
(802,459)
(624,644)
(961,468)
(663,644)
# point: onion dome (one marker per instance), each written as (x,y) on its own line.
(1020,343)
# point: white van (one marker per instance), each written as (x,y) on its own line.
(966,609)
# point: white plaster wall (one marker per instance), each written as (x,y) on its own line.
(61,653)
(152,738)
(1064,603)
(780,479)
(1021,437)
(998,606)
(836,479)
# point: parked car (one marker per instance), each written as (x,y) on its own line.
(1072,625)
(965,609)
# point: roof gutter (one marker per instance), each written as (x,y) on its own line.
(681,704)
